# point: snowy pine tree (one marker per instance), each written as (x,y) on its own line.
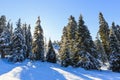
(115,53)
(64,51)
(87,61)
(29,42)
(2,26)
(85,48)
(71,31)
(38,42)
(5,43)
(18,45)
(101,53)
(84,40)
(2,23)
(51,55)
(24,32)
(104,33)
(65,57)
(68,38)
(116,31)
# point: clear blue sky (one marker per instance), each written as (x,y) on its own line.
(55,13)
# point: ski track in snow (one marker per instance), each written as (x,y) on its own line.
(67,75)
(28,70)
(12,75)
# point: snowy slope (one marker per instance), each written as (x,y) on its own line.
(48,71)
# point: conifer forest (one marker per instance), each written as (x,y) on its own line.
(76,47)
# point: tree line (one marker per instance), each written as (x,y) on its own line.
(77,48)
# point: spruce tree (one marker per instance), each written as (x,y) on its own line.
(64,51)
(51,55)
(24,32)
(84,40)
(85,48)
(104,33)
(38,41)
(69,37)
(115,53)
(18,44)
(5,43)
(71,31)
(87,61)
(2,26)
(2,23)
(28,42)
(101,53)
(116,31)
(65,57)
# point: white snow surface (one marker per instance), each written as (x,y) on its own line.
(37,70)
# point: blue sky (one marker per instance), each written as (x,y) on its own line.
(55,13)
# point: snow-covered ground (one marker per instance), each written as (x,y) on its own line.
(47,71)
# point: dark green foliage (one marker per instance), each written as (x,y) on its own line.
(116,31)
(2,23)
(2,26)
(65,57)
(24,33)
(71,27)
(51,56)
(75,59)
(18,45)
(68,39)
(71,31)
(29,42)
(77,48)
(84,40)
(115,53)
(104,33)
(115,62)
(87,61)
(64,51)
(114,43)
(38,42)
(101,53)
(86,52)
(5,42)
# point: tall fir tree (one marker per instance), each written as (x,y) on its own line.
(28,42)
(101,53)
(71,31)
(18,44)
(2,23)
(84,40)
(5,42)
(115,53)
(64,50)
(38,41)
(85,48)
(65,57)
(2,26)
(51,55)
(24,32)
(104,33)
(116,31)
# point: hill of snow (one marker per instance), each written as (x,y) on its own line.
(28,70)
